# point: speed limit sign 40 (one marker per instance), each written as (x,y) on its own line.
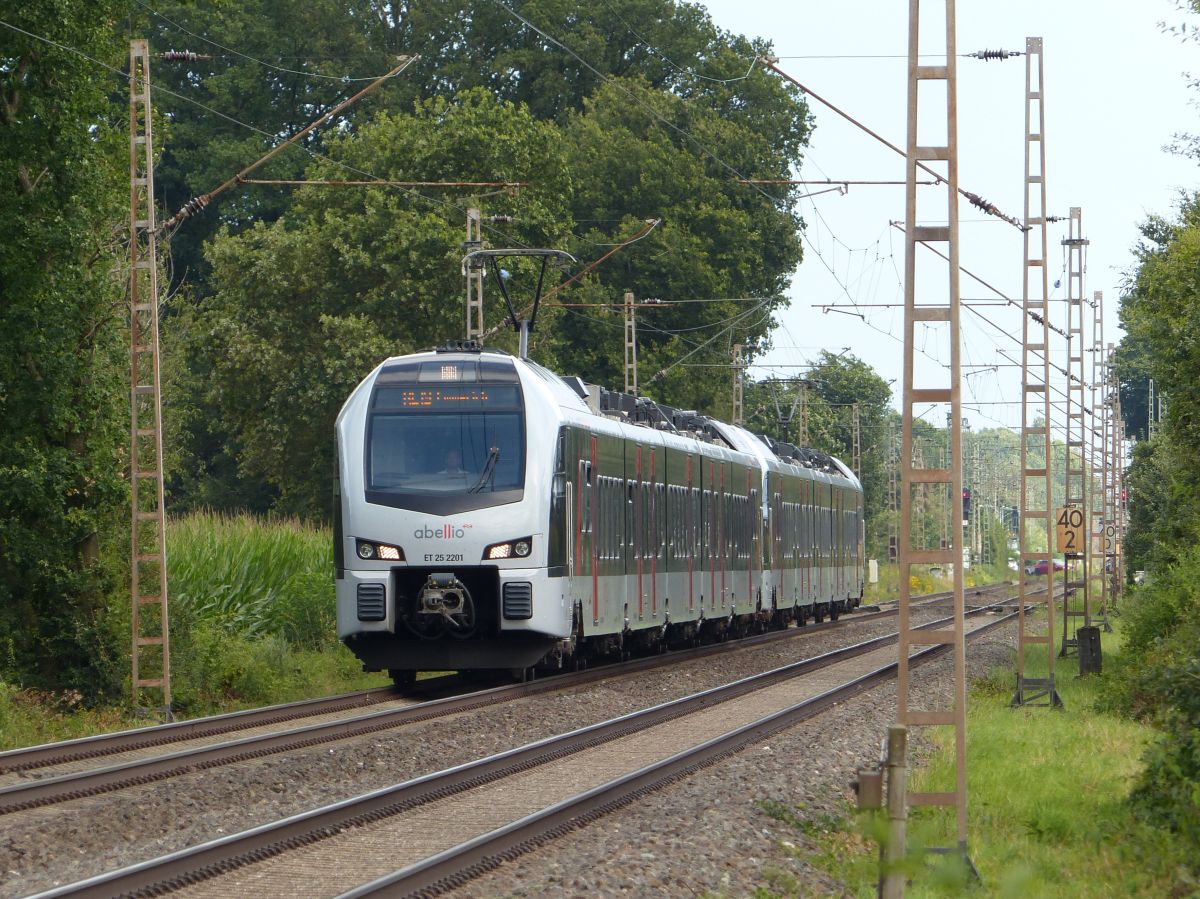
(1068,529)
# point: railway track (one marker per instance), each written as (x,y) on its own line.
(143,763)
(433,832)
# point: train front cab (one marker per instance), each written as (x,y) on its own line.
(474,570)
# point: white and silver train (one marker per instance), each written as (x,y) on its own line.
(491,514)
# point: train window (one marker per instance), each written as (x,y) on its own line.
(585,496)
(454,452)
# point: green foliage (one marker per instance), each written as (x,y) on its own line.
(254,578)
(63,348)
(1159,679)
(253,613)
(1168,791)
(304,308)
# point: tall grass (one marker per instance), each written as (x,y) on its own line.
(253,577)
(254,617)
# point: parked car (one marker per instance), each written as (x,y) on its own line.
(1041,566)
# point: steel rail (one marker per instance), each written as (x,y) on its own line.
(455,866)
(216,857)
(48,754)
(138,772)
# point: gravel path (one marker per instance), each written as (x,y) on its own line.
(41,848)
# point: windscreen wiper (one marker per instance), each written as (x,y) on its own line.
(488,473)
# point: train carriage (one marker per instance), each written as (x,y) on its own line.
(491,514)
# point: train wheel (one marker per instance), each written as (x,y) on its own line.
(835,609)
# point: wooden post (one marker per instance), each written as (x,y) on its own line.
(893,876)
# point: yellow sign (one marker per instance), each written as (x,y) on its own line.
(1068,529)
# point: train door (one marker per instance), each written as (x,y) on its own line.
(656,512)
(829,528)
(775,537)
(635,533)
(585,562)
(610,531)
(839,533)
(806,540)
(677,573)
(693,526)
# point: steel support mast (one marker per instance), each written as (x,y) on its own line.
(1035,500)
(934,308)
(631,364)
(1075,589)
(1117,461)
(856,440)
(1098,503)
(151,653)
(739,386)
(474,275)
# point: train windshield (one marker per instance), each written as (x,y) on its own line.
(432,439)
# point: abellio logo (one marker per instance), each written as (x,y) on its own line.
(441,532)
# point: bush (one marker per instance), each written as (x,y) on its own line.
(215,669)
(1157,677)
(1168,792)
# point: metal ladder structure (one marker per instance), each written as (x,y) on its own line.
(1075,590)
(631,365)
(856,440)
(1114,510)
(474,275)
(935,307)
(1098,503)
(1035,500)
(739,385)
(151,654)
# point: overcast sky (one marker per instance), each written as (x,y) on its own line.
(1115,93)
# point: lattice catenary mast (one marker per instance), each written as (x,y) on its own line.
(1035,499)
(922,307)
(1098,501)
(1075,590)
(151,651)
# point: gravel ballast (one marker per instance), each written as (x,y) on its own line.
(709,835)
(42,848)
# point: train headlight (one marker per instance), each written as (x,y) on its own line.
(381,551)
(509,549)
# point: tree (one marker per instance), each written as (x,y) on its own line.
(278,64)
(305,307)
(835,383)
(662,127)
(719,239)
(63,345)
(1161,319)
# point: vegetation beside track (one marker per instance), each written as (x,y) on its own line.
(252,624)
(1049,802)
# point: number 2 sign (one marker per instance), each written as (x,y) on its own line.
(1069,536)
